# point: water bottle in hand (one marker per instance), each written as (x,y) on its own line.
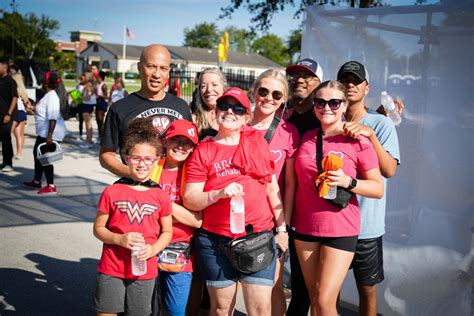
(237,215)
(138,266)
(390,108)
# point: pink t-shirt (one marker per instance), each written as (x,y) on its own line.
(211,163)
(170,181)
(283,145)
(314,215)
(130,210)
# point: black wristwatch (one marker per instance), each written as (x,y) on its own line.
(352,184)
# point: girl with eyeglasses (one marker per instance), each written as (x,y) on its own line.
(270,91)
(132,212)
(326,235)
(236,162)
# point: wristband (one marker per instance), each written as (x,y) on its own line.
(211,198)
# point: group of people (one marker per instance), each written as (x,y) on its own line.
(179,171)
(92,95)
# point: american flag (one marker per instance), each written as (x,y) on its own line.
(130,33)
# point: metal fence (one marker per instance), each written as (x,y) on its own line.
(187,79)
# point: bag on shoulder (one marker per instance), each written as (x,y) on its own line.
(252,252)
(174,257)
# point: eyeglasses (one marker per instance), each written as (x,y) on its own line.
(305,76)
(276,95)
(237,109)
(135,160)
(334,104)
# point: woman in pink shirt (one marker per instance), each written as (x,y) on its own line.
(271,91)
(326,235)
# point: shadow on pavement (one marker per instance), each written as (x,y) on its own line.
(64,287)
(76,200)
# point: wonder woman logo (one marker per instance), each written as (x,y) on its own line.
(135,211)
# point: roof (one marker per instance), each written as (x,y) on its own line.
(194,54)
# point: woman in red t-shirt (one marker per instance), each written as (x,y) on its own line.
(271,91)
(233,163)
(326,235)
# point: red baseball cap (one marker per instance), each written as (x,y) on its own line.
(183,128)
(238,95)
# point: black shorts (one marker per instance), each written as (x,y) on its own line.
(341,243)
(368,261)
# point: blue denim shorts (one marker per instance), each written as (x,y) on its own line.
(175,288)
(216,267)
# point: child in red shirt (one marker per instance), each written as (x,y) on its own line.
(131,212)
(175,263)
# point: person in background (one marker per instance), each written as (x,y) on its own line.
(76,101)
(270,91)
(361,121)
(195,102)
(211,180)
(49,125)
(89,101)
(325,234)
(8,101)
(133,212)
(101,102)
(212,84)
(176,277)
(305,77)
(150,101)
(117,92)
(23,103)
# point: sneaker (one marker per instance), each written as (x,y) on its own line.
(33,184)
(6,168)
(17,157)
(86,146)
(49,189)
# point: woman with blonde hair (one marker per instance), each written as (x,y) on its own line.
(269,92)
(23,103)
(211,86)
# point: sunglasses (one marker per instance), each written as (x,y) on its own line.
(135,160)
(237,109)
(276,95)
(350,79)
(305,76)
(334,104)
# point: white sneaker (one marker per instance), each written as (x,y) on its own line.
(86,146)
(7,168)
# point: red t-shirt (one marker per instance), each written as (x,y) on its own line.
(314,215)
(130,210)
(170,181)
(283,145)
(211,163)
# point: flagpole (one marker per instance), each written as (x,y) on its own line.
(124,51)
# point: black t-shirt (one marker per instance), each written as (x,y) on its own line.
(133,106)
(305,121)
(8,90)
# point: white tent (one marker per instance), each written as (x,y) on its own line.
(424,55)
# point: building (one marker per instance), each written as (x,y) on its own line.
(79,41)
(110,56)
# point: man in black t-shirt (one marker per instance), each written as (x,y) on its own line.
(306,75)
(8,99)
(150,101)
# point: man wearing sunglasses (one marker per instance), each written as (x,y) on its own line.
(368,259)
(305,77)
(151,100)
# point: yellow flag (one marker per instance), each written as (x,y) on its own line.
(226,45)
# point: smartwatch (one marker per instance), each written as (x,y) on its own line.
(281,229)
(352,184)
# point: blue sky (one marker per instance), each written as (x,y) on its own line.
(153,21)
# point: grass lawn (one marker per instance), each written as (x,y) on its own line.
(131,85)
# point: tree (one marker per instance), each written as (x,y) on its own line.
(262,11)
(240,39)
(203,35)
(29,34)
(272,47)
(64,61)
(294,44)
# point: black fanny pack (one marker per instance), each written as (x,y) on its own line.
(252,252)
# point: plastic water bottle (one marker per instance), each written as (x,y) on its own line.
(138,266)
(390,108)
(237,215)
(332,193)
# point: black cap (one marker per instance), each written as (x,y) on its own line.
(354,67)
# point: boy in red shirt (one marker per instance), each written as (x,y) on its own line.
(131,212)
